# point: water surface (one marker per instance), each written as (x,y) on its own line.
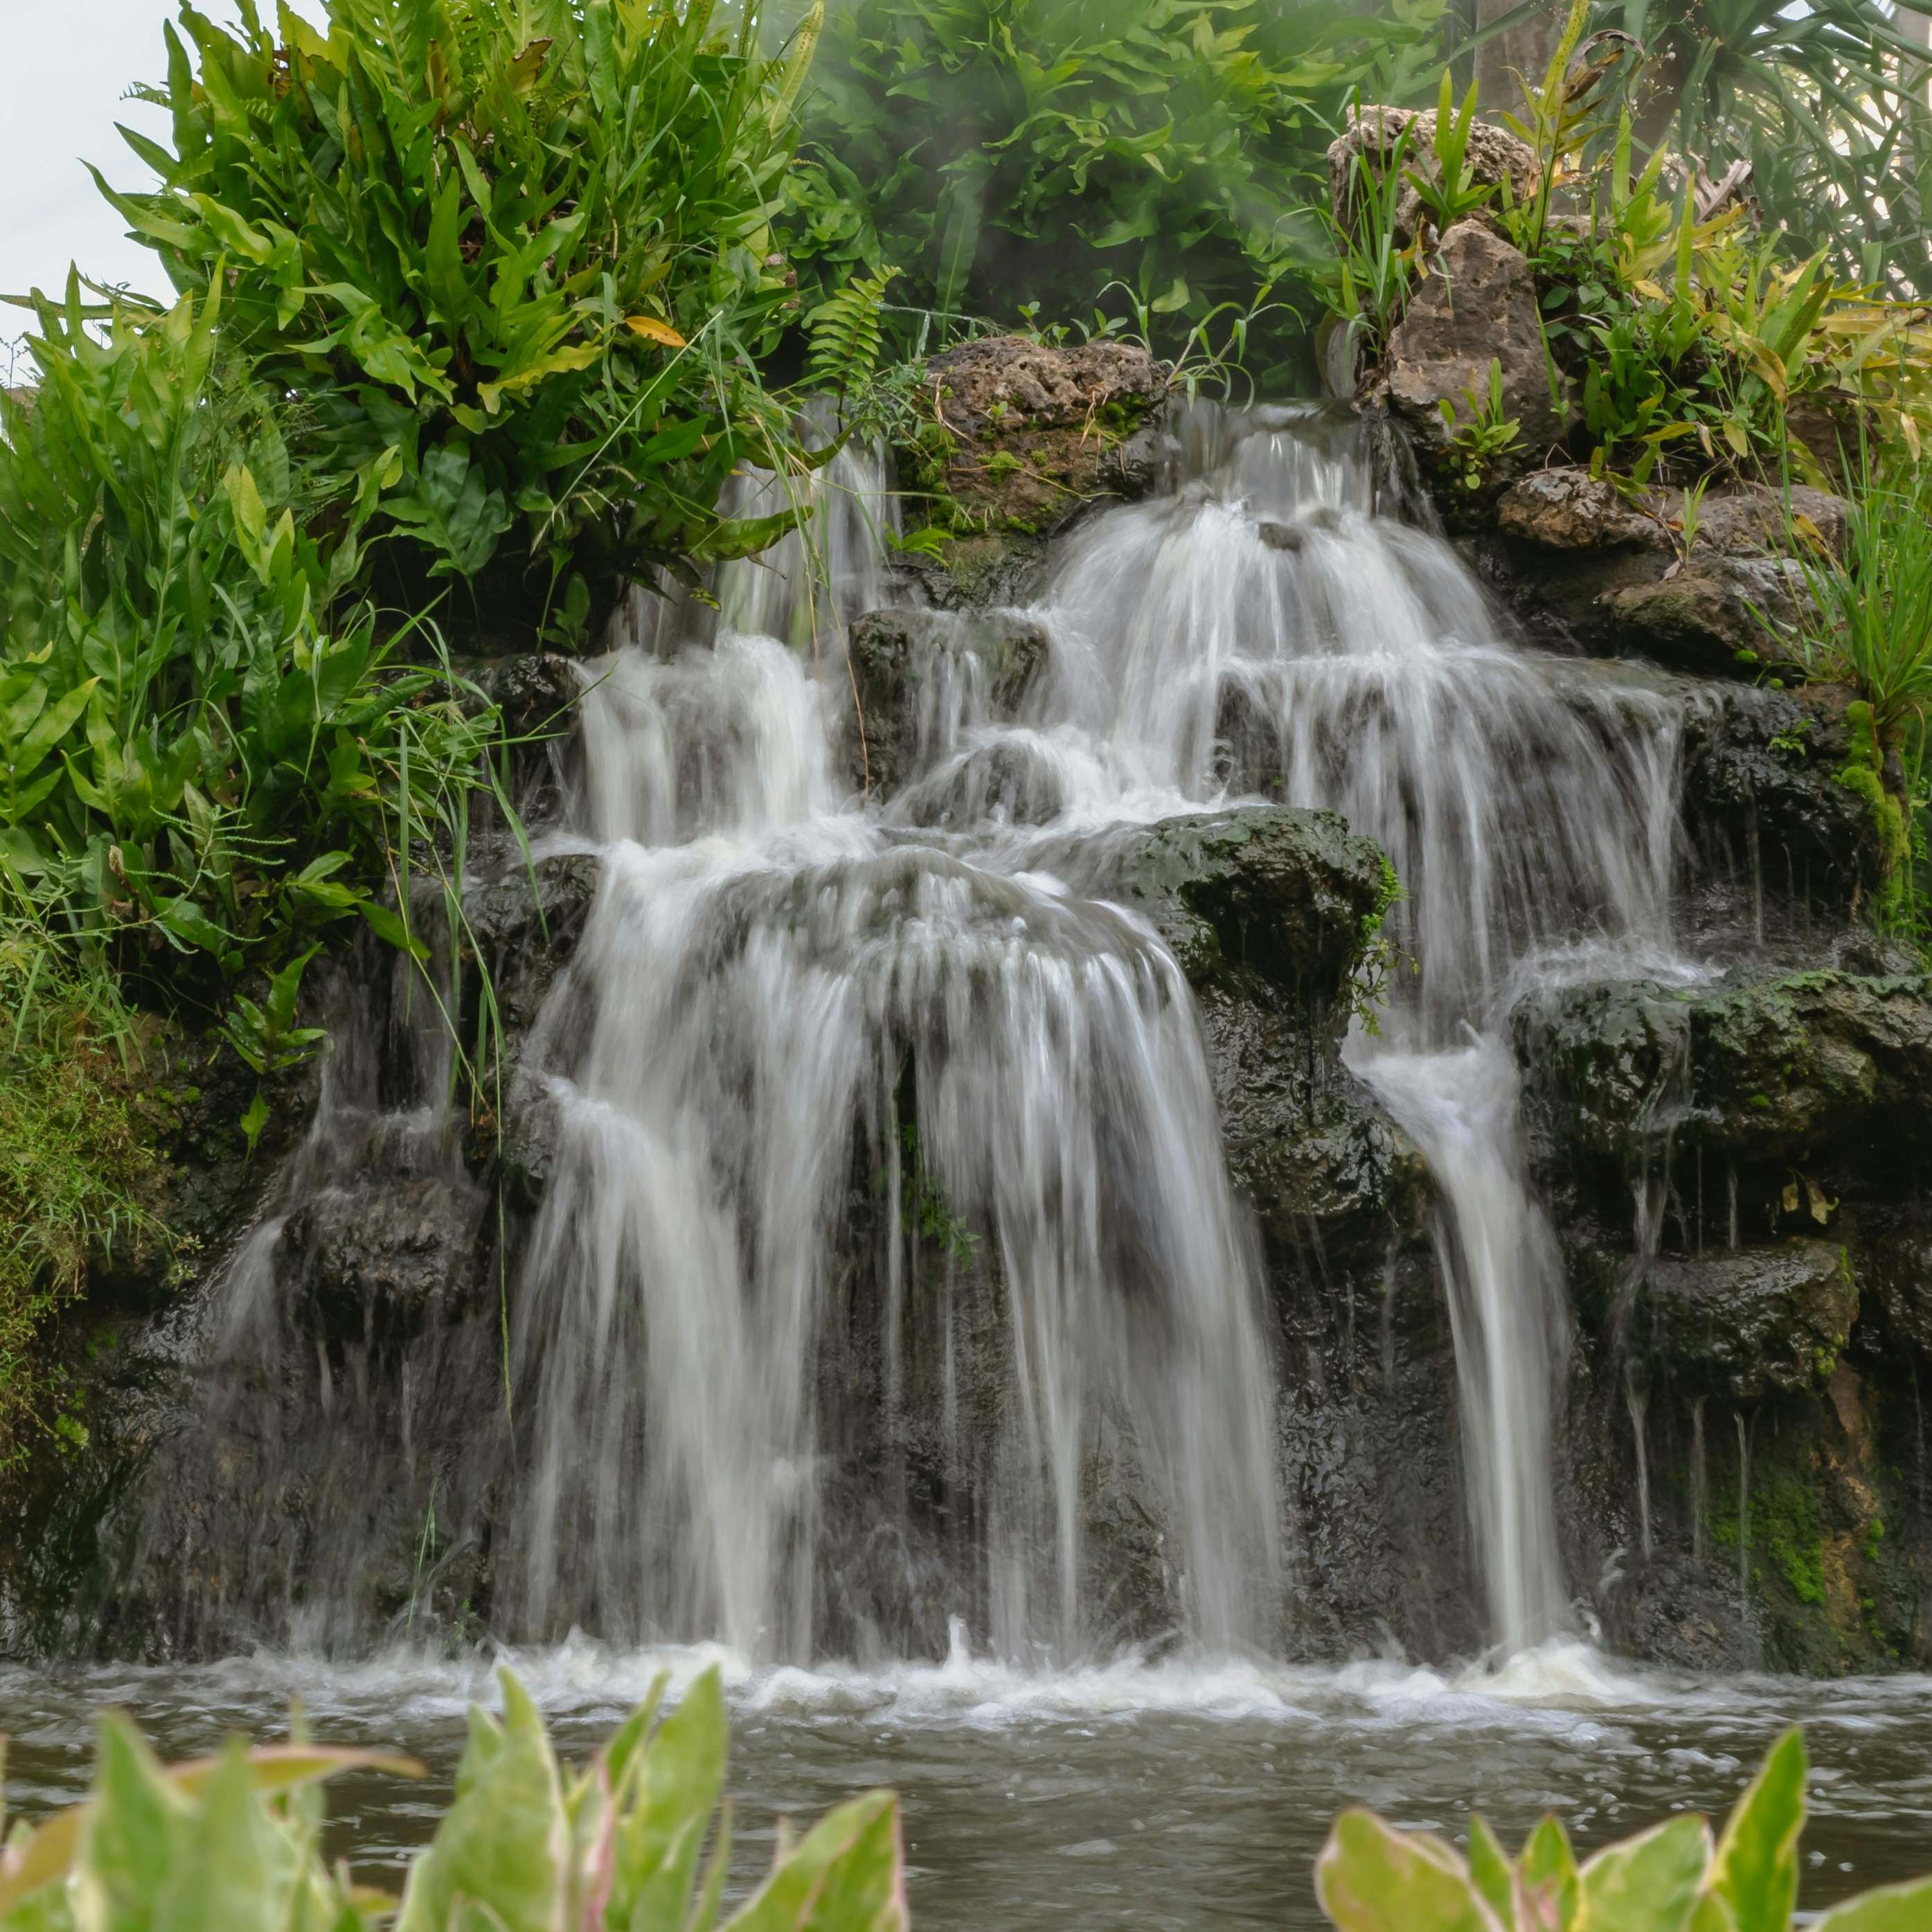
(1167,1795)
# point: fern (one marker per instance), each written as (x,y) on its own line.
(844,333)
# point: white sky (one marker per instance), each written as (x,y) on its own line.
(64,65)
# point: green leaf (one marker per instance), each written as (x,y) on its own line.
(1892,1908)
(1489,1869)
(1547,1869)
(671,1787)
(1373,1878)
(387,926)
(1755,1869)
(845,1876)
(506,1838)
(1649,1883)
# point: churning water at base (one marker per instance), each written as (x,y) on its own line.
(1187,1797)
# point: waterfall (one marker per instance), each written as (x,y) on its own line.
(791,1005)
(1743,1509)
(789,1022)
(1263,628)
(1637,1399)
(1700,1480)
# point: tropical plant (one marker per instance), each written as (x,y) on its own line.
(1827,103)
(233,1842)
(208,749)
(1868,622)
(515,252)
(1055,147)
(1449,193)
(1371,1877)
(1482,434)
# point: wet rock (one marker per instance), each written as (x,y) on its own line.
(1493,156)
(1325,1168)
(1023,436)
(1477,304)
(1292,894)
(976,571)
(1831,1071)
(380,1261)
(1763,799)
(918,675)
(526,923)
(1751,1321)
(1600,566)
(1681,1612)
(1895,1267)
(536,693)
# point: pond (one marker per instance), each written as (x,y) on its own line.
(1148,1793)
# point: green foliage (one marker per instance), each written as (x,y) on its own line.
(1371,1877)
(1868,622)
(1450,192)
(1373,274)
(516,252)
(1695,345)
(528,1845)
(1826,103)
(76,1157)
(208,750)
(844,334)
(1482,435)
(1058,147)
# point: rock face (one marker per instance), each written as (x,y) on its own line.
(1290,894)
(1026,436)
(1493,156)
(1478,304)
(917,675)
(1608,570)
(1747,1324)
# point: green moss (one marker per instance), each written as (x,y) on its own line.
(1785,1523)
(1002,462)
(79,1122)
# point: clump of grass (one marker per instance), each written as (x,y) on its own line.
(1869,626)
(76,1162)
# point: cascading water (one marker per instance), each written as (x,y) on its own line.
(785,1012)
(888,1271)
(1263,628)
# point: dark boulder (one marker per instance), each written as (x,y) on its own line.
(379,1260)
(1745,1323)
(1292,894)
(919,676)
(1822,1073)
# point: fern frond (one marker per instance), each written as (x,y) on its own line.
(845,334)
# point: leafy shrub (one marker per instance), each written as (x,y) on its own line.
(1826,104)
(1002,150)
(204,748)
(527,1846)
(1371,1877)
(1695,343)
(516,254)
(1868,622)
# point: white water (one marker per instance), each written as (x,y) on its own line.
(773,973)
